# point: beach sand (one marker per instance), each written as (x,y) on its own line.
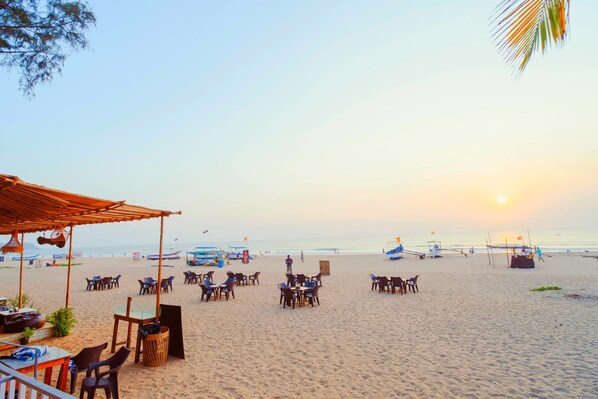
(472,331)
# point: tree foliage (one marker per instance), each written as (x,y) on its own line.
(35,35)
(526,26)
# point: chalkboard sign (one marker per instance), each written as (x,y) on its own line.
(170,316)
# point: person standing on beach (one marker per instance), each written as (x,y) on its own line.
(539,252)
(289,264)
(301,256)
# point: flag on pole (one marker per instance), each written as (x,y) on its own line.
(433,232)
(204,232)
(519,238)
(245,238)
(398,239)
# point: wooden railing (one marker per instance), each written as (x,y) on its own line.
(20,386)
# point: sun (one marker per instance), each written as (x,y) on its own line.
(501,199)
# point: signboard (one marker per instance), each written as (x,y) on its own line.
(170,316)
(246,256)
(136,255)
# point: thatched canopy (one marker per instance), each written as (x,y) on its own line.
(29,208)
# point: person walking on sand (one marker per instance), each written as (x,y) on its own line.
(289,262)
(301,256)
(539,252)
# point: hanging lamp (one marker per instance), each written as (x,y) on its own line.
(13,245)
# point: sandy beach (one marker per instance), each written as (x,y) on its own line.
(473,330)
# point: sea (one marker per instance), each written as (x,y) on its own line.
(572,240)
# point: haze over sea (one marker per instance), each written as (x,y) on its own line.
(548,240)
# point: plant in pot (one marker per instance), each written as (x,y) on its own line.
(26,335)
(62,320)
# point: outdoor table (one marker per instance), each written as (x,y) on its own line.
(301,291)
(8,314)
(54,357)
(139,317)
(216,288)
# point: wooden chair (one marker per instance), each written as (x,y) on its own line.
(312,295)
(412,284)
(374,281)
(82,360)
(383,284)
(253,278)
(290,297)
(397,282)
(106,380)
(317,278)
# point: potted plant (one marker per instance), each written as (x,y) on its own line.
(27,334)
(62,320)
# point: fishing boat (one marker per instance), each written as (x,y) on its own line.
(435,249)
(204,256)
(165,256)
(25,257)
(399,251)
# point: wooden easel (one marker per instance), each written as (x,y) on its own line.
(131,320)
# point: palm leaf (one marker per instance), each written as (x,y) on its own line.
(523,27)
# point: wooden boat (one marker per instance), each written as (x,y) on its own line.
(167,256)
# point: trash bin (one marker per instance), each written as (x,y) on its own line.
(220,263)
(155,345)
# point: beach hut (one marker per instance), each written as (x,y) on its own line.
(30,208)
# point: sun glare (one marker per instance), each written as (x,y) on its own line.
(501,199)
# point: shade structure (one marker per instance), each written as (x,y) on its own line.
(28,208)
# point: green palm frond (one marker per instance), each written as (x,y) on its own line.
(526,26)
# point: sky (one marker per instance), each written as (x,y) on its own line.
(285,119)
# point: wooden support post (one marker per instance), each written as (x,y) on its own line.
(159,287)
(68,275)
(507,249)
(21,272)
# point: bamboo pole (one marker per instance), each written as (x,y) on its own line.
(507,249)
(21,272)
(159,287)
(490,242)
(68,275)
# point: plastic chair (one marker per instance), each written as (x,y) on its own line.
(253,278)
(82,360)
(106,380)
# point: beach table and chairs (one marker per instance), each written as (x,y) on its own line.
(209,289)
(393,284)
(101,283)
(299,295)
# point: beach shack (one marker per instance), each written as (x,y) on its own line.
(31,208)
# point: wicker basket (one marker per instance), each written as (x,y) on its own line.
(155,348)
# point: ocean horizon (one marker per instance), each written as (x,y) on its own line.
(549,240)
